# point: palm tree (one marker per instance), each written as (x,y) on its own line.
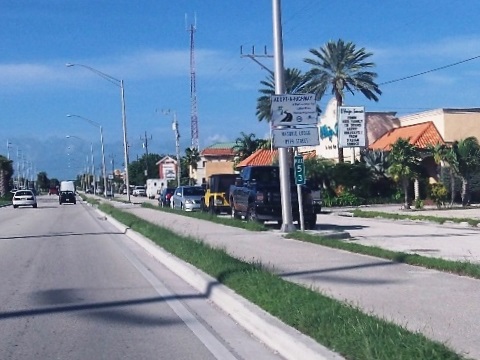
(6,171)
(295,83)
(467,154)
(246,145)
(443,154)
(192,157)
(404,165)
(341,67)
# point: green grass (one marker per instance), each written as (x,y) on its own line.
(437,219)
(455,267)
(339,326)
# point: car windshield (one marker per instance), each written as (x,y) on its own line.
(193,191)
(139,188)
(23,193)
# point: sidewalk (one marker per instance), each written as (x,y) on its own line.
(442,306)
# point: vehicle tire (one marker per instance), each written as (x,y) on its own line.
(34,206)
(211,207)
(15,206)
(251,214)
(233,212)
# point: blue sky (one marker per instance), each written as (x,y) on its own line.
(145,43)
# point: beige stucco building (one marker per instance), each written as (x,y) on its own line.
(452,124)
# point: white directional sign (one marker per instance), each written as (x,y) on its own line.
(294,109)
(351,126)
(291,137)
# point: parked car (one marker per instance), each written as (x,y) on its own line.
(24,198)
(139,191)
(165,196)
(53,191)
(188,198)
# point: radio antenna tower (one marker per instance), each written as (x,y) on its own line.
(193,88)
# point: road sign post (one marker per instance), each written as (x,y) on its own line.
(299,166)
(299,170)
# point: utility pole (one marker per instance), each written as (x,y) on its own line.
(253,56)
(177,142)
(8,149)
(145,146)
(112,157)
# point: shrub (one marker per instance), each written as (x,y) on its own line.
(439,194)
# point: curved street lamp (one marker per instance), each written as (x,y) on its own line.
(104,171)
(118,83)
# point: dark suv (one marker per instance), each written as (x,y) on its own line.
(67,197)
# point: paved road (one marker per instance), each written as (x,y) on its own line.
(75,287)
(442,306)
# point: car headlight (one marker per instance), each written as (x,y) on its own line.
(188,201)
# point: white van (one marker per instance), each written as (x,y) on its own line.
(67,193)
(153,187)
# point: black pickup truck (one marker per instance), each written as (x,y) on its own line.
(256,196)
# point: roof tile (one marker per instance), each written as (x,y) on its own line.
(419,135)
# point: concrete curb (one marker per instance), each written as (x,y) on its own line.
(287,341)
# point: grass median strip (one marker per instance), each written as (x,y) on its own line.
(339,326)
(455,267)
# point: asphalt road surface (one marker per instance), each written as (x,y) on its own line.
(74,287)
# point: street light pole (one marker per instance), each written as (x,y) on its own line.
(287,218)
(104,171)
(124,117)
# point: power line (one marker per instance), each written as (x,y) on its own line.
(429,71)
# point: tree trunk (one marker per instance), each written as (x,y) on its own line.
(465,191)
(339,99)
(452,187)
(405,189)
(340,153)
(417,189)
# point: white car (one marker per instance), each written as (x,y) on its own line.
(24,198)
(139,191)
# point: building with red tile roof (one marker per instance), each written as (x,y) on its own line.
(218,158)
(419,135)
(267,157)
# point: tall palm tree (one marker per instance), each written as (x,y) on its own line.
(295,83)
(6,171)
(340,66)
(467,153)
(404,165)
(192,157)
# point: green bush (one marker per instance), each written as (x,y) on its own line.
(439,194)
